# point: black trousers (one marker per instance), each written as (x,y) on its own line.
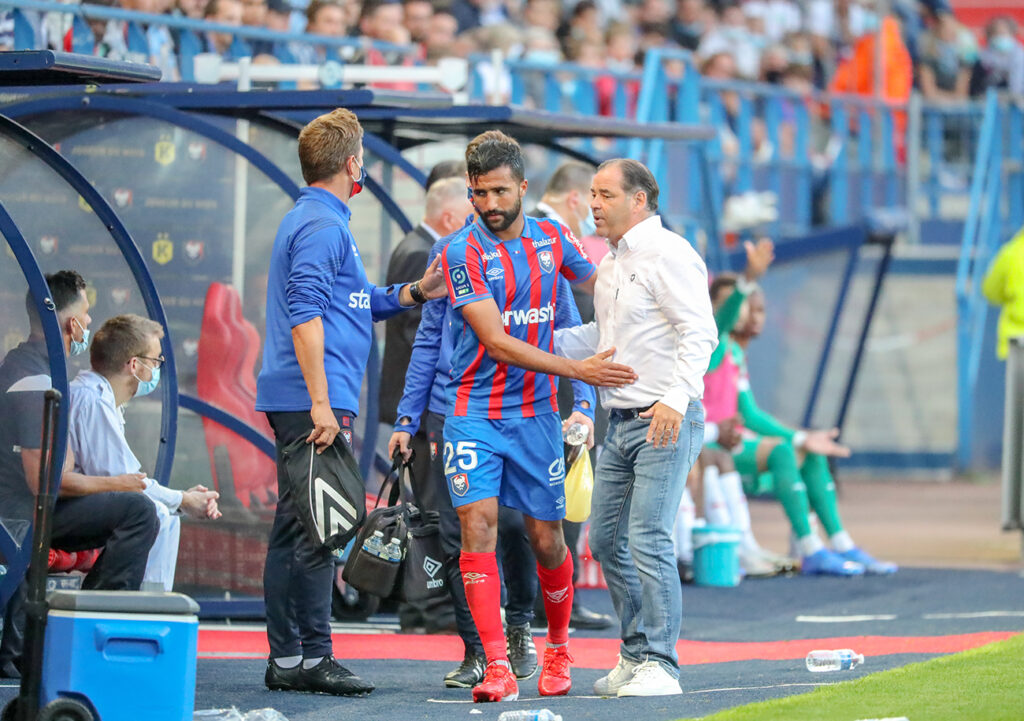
(518,564)
(298,576)
(124,525)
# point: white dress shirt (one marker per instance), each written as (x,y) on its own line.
(652,305)
(96,436)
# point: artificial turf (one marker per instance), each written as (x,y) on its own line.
(982,684)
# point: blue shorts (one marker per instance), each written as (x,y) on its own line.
(519,461)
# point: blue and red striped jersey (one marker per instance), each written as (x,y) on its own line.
(520,276)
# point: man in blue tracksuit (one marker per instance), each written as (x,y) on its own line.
(428,374)
(320,311)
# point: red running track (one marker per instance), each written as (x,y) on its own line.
(595,653)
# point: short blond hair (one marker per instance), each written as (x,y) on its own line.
(327,142)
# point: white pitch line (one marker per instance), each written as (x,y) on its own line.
(757,688)
(846,619)
(546,699)
(973,614)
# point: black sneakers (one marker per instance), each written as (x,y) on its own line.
(328,677)
(583,618)
(469,673)
(522,654)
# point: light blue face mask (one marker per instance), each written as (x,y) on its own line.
(1002,44)
(588,226)
(79,346)
(147,387)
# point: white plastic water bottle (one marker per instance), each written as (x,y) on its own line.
(842,659)
(576,434)
(393,551)
(374,545)
(529,715)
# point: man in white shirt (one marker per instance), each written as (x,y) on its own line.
(652,305)
(126,359)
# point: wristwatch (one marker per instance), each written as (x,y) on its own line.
(416,293)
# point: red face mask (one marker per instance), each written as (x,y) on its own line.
(357,183)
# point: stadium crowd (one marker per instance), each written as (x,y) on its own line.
(799,44)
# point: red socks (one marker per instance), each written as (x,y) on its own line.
(556,586)
(483,593)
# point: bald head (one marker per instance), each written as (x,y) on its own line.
(447,205)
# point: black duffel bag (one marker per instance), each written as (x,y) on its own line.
(330,497)
(419,575)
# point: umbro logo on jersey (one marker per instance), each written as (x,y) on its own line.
(543,242)
(496,273)
(547,260)
(360,299)
(431,566)
(559,596)
(473,577)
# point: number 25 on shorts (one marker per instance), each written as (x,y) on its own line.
(464,453)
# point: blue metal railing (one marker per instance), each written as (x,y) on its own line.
(994,212)
(188,31)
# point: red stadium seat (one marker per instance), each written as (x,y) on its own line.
(225,378)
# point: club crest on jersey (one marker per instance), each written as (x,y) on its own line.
(433,450)
(347,435)
(460,484)
(547,260)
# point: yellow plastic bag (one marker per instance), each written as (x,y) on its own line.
(579,487)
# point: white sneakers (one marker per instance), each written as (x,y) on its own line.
(632,679)
(618,677)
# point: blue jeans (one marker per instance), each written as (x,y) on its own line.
(637,490)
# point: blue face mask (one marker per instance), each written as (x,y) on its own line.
(79,346)
(588,226)
(147,387)
(870,22)
(1002,44)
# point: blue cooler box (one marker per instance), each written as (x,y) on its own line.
(132,654)
(715,555)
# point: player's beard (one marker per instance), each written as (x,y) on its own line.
(504,219)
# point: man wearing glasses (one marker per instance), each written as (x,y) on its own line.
(126,360)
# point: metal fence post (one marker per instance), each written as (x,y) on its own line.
(1013,439)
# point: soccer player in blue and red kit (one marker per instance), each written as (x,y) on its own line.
(502,430)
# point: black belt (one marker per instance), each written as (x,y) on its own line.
(627,414)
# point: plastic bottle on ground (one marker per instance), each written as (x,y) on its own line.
(842,659)
(529,715)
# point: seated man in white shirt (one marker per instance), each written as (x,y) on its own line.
(126,359)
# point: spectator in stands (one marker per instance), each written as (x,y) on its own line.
(946,53)
(690,23)
(323,17)
(583,24)
(383,20)
(278,16)
(6,31)
(545,14)
(416,16)
(732,36)
(107,512)
(126,358)
(191,8)
(1001,64)
(1004,287)
(440,37)
(224,12)
(254,15)
(478,13)
(777,18)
